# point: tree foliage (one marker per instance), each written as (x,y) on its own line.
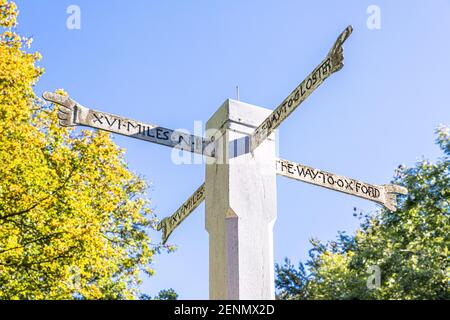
(410,246)
(169,294)
(73,218)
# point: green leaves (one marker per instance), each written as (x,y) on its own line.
(410,247)
(73,218)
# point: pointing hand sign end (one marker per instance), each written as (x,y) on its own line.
(59,99)
(49,96)
(345,35)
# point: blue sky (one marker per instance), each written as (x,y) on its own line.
(171,62)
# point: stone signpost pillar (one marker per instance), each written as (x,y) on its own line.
(240,187)
(240,205)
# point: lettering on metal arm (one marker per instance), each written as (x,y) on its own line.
(167,225)
(331,64)
(72,113)
(382,194)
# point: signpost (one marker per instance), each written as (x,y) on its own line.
(331,64)
(240,187)
(71,113)
(384,194)
(167,225)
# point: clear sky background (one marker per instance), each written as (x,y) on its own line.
(171,62)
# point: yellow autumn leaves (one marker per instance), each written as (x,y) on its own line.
(73,218)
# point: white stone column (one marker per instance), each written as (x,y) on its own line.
(241,206)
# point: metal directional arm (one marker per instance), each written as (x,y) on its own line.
(167,225)
(72,113)
(331,64)
(382,194)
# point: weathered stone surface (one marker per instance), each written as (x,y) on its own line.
(240,207)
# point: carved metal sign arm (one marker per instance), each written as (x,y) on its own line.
(331,64)
(167,225)
(72,113)
(382,194)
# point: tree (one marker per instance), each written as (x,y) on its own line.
(168,294)
(393,255)
(73,218)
